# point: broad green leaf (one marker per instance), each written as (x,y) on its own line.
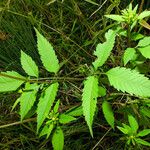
(101,91)
(130,81)
(123,130)
(145,51)
(144,42)
(144,132)
(64,118)
(50,128)
(47,54)
(133,123)
(145,111)
(144,14)
(103,50)
(75,111)
(58,139)
(89,100)
(27,99)
(9,81)
(29,65)
(45,103)
(118,18)
(140,141)
(108,113)
(56,107)
(128,55)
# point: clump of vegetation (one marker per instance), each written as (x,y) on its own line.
(66,102)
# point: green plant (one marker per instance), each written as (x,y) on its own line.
(131,132)
(42,92)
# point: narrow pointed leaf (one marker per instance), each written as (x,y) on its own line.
(108,113)
(29,65)
(118,18)
(130,81)
(140,141)
(47,53)
(50,128)
(128,55)
(123,130)
(44,131)
(75,111)
(56,107)
(89,100)
(103,50)
(133,123)
(58,139)
(66,118)
(45,103)
(10,84)
(144,14)
(144,132)
(27,99)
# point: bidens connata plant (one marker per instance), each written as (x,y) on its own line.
(125,79)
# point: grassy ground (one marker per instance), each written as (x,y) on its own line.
(74,27)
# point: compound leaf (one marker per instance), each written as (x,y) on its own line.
(45,103)
(103,50)
(10,81)
(29,65)
(47,54)
(58,139)
(108,113)
(27,99)
(130,81)
(89,100)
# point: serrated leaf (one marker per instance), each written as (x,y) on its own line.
(89,100)
(144,14)
(27,99)
(133,123)
(144,132)
(140,141)
(10,84)
(47,54)
(108,113)
(103,50)
(118,18)
(58,139)
(75,111)
(130,81)
(29,65)
(145,51)
(128,55)
(144,42)
(45,102)
(64,118)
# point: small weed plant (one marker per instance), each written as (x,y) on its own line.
(39,95)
